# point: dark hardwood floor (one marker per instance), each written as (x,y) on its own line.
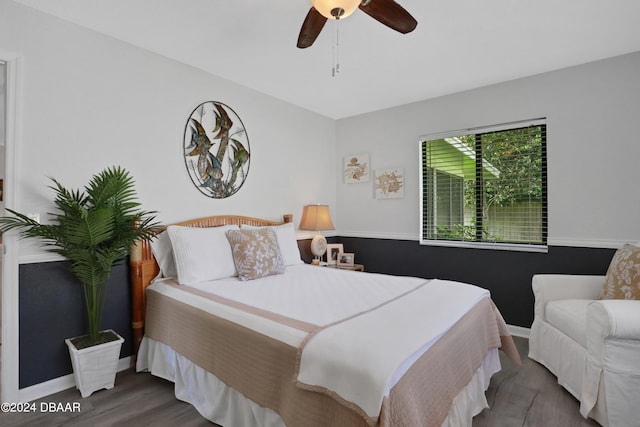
(526,396)
(529,396)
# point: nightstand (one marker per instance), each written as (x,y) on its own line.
(354,267)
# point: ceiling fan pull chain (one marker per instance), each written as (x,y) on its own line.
(336,49)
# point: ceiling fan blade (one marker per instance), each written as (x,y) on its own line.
(390,14)
(311,27)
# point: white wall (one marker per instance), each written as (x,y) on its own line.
(592,112)
(3,99)
(2,104)
(90,101)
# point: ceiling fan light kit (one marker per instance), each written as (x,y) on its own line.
(387,12)
(335,9)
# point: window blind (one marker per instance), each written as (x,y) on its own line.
(485,185)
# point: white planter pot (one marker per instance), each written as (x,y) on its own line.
(94,368)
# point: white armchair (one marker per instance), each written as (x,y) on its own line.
(591,345)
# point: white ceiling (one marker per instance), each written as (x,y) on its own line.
(458,44)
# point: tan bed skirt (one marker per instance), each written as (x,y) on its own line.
(263,369)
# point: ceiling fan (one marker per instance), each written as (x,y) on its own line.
(387,12)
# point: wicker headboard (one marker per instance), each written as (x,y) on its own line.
(144,267)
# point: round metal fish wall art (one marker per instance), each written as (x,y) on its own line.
(216,150)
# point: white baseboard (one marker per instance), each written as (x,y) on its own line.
(519,331)
(59,384)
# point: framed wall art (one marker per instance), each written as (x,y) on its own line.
(216,150)
(356,168)
(389,183)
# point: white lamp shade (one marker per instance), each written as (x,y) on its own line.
(326,6)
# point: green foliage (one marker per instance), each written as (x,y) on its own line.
(460,232)
(93,229)
(456,232)
(517,154)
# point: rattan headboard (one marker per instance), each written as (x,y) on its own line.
(144,267)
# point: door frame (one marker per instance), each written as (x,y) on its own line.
(9,390)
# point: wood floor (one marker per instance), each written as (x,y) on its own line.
(528,396)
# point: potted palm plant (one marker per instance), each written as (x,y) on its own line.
(94,230)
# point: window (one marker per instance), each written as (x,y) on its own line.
(485,187)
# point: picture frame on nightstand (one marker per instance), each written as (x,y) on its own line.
(346,259)
(333,252)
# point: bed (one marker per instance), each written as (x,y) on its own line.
(258,338)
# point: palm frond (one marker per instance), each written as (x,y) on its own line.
(94,229)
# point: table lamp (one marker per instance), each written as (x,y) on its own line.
(317,218)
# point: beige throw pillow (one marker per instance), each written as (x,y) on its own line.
(623,276)
(286,235)
(255,253)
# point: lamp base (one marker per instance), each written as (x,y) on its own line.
(318,245)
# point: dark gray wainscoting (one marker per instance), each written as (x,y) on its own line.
(507,274)
(305,249)
(51,309)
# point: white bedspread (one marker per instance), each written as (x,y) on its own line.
(316,295)
(389,335)
(346,300)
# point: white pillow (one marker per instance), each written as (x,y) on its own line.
(163,252)
(286,235)
(202,254)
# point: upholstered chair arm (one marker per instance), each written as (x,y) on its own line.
(613,365)
(612,319)
(551,287)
